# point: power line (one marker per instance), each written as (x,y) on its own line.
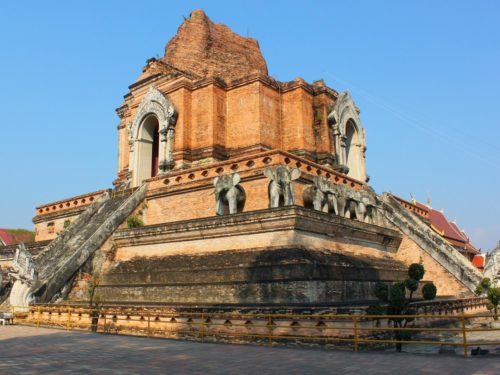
(446,136)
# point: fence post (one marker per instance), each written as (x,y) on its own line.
(38,320)
(202,328)
(149,324)
(105,329)
(68,320)
(464,336)
(270,325)
(355,321)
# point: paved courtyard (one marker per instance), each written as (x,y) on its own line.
(29,350)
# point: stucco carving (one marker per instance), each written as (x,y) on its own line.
(153,103)
(25,275)
(348,136)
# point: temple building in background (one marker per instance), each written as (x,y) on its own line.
(15,236)
(449,230)
(235,189)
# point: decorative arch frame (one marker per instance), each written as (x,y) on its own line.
(343,113)
(153,103)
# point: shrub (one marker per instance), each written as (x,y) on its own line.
(492,293)
(134,222)
(393,300)
(429,291)
(416,271)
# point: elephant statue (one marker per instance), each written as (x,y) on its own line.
(329,197)
(367,207)
(228,194)
(280,188)
(351,210)
(321,196)
(361,206)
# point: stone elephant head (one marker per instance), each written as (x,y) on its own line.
(228,193)
(321,196)
(280,188)
(362,206)
(367,207)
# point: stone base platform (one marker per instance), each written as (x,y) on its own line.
(287,255)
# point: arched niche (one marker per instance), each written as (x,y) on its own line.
(154,112)
(148,148)
(348,137)
(354,151)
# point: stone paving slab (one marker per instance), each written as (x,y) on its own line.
(31,350)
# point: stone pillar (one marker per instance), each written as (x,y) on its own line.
(131,160)
(163,165)
(169,157)
(343,151)
(336,142)
(167,141)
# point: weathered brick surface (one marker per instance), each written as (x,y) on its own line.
(288,255)
(235,118)
(44,231)
(57,213)
(208,49)
(447,285)
(227,104)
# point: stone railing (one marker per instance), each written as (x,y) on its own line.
(421,211)
(451,306)
(69,203)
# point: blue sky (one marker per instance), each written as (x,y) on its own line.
(425,75)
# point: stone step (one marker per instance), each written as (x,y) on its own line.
(433,244)
(57,265)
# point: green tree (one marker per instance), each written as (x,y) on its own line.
(393,300)
(492,292)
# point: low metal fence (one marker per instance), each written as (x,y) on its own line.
(347,331)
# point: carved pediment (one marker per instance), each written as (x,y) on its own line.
(154,102)
(344,110)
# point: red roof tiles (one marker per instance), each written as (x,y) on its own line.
(14,236)
(6,237)
(450,231)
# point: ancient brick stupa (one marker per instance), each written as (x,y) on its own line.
(233,189)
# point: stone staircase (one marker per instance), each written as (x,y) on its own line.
(67,253)
(433,244)
(492,268)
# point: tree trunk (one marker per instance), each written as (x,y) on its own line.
(397,334)
(94,314)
